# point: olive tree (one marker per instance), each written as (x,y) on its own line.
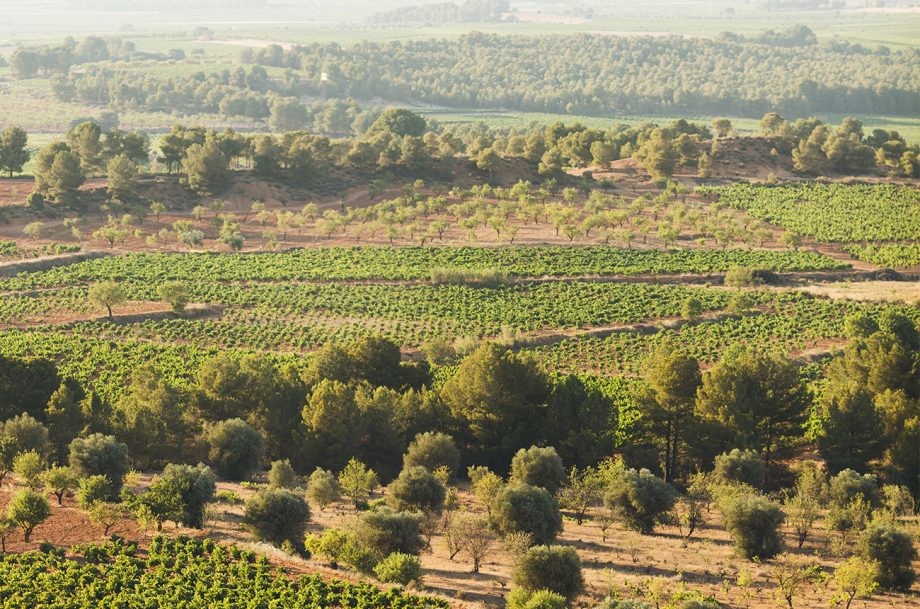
(553,568)
(753,522)
(28,509)
(98,454)
(277,515)
(538,466)
(417,489)
(234,449)
(323,488)
(433,450)
(107,294)
(640,499)
(521,508)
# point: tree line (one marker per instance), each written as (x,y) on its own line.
(400,141)
(48,60)
(578,74)
(470,11)
(599,74)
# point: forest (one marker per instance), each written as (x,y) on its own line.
(574,74)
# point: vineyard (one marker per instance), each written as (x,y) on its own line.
(833,212)
(791,323)
(888,254)
(287,321)
(412,263)
(10,250)
(178,573)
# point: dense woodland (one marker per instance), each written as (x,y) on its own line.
(787,72)
(470,11)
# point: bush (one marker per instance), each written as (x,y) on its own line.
(235,449)
(541,599)
(228,497)
(848,484)
(282,475)
(277,515)
(98,454)
(743,466)
(93,489)
(339,546)
(612,603)
(520,508)
(640,499)
(384,531)
(323,488)
(540,467)
(432,450)
(753,522)
(553,568)
(417,489)
(741,277)
(893,550)
(399,568)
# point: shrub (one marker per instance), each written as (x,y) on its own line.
(893,550)
(235,449)
(282,475)
(845,486)
(859,325)
(228,497)
(520,508)
(432,450)
(339,546)
(93,489)
(98,454)
(384,531)
(691,309)
(277,515)
(399,568)
(743,466)
(27,510)
(741,277)
(418,489)
(553,568)
(540,467)
(612,603)
(541,599)
(753,522)
(640,499)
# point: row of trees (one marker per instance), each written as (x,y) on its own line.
(816,147)
(28,62)
(641,75)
